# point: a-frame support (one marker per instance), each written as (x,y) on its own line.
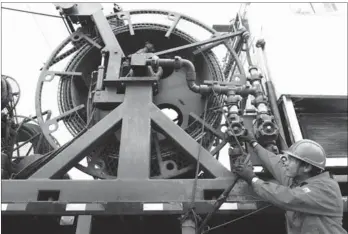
(136,114)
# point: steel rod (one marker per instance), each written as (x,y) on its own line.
(195,44)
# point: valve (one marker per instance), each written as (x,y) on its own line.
(266,131)
(255,74)
(237,129)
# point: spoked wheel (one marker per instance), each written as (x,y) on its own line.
(75,85)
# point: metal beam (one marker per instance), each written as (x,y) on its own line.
(145,190)
(130,208)
(189,145)
(122,197)
(135,148)
(219,147)
(78,149)
(207,126)
(111,45)
(291,117)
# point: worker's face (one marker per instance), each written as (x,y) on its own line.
(292,166)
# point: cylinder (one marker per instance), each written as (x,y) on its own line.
(188,227)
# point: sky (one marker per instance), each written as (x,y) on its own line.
(307,55)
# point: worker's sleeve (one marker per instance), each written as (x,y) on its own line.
(273,164)
(316,199)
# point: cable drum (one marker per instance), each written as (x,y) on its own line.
(74,92)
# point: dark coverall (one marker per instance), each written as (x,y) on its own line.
(312,207)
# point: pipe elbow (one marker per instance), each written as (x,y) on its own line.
(193,86)
(190,75)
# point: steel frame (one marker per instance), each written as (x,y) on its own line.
(110,197)
(137,113)
(133,191)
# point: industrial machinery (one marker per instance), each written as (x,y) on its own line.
(151,174)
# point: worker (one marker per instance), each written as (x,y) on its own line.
(310,196)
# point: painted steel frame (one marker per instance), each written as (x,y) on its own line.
(132,191)
(132,188)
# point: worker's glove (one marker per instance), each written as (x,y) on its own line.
(248,137)
(245,171)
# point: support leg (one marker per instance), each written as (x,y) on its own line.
(135,148)
(84,224)
(188,144)
(81,146)
(188,227)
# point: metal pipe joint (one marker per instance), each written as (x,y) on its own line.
(178,63)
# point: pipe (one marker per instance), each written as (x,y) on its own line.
(221,199)
(272,94)
(188,227)
(190,75)
(100,77)
(177,63)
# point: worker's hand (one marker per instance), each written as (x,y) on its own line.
(248,137)
(245,171)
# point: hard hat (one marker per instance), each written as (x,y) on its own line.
(308,151)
